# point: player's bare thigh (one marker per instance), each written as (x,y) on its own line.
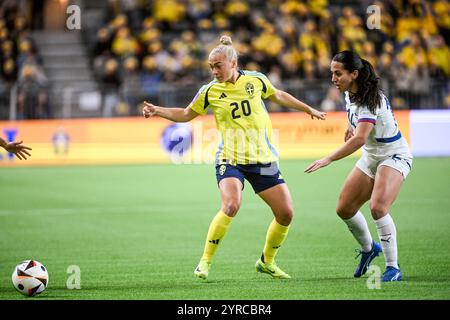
(279,200)
(388,182)
(356,191)
(231,195)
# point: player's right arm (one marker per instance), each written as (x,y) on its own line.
(349,133)
(172,114)
(198,106)
(358,139)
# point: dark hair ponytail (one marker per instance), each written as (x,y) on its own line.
(368,83)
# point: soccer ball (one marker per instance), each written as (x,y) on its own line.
(30,277)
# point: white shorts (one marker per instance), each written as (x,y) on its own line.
(369,164)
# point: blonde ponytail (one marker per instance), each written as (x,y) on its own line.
(226,48)
(226,40)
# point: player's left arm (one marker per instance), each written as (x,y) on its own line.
(20,150)
(283,98)
(359,138)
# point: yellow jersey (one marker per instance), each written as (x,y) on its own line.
(241,118)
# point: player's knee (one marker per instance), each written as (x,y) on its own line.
(231,207)
(378,209)
(341,209)
(344,212)
(285,216)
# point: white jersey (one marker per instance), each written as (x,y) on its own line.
(385,139)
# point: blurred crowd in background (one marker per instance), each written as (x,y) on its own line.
(20,64)
(142,45)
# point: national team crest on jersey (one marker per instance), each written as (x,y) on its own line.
(222,169)
(250,89)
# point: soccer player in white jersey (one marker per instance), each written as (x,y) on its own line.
(380,172)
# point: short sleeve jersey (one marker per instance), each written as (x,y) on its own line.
(385,137)
(241,117)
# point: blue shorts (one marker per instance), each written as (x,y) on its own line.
(260,176)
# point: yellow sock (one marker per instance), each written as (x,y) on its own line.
(274,239)
(217,230)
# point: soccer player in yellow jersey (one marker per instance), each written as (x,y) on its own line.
(246,150)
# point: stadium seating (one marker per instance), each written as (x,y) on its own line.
(168,42)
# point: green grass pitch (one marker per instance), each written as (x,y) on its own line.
(137,232)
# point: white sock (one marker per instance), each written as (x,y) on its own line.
(358,227)
(388,239)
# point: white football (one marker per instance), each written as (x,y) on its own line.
(30,277)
